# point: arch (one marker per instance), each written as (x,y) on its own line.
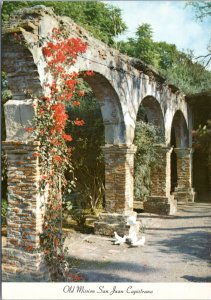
(110,108)
(149,112)
(179,139)
(152,112)
(179,131)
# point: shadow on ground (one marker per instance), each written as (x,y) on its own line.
(197,279)
(104,271)
(193,245)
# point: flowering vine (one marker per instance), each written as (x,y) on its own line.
(50,121)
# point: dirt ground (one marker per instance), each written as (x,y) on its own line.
(177,249)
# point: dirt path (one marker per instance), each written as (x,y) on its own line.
(177,249)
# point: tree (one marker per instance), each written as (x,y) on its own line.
(202,11)
(102,20)
(176,66)
(142,46)
(168,54)
(191,77)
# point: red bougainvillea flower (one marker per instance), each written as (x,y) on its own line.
(79,122)
(28,129)
(74,277)
(36,154)
(59,116)
(46,98)
(29,247)
(56,242)
(67,137)
(60,54)
(17,37)
(57,158)
(55,143)
(76,103)
(89,73)
(81,93)
(41,112)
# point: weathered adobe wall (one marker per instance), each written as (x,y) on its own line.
(121,86)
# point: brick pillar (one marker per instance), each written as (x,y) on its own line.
(160,201)
(184,191)
(22,260)
(119,170)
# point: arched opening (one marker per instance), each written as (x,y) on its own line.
(101,113)
(173,162)
(152,112)
(110,108)
(179,139)
(149,132)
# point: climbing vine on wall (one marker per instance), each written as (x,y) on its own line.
(50,123)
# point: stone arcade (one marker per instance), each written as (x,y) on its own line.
(121,84)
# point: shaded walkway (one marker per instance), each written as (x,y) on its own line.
(178,248)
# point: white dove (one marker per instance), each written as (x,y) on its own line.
(119,240)
(132,237)
(138,243)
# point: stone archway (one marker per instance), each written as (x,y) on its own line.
(119,159)
(120,83)
(181,160)
(149,124)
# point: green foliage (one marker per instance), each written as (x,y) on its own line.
(104,21)
(191,77)
(76,207)
(202,9)
(146,137)
(179,68)
(142,46)
(4,205)
(202,138)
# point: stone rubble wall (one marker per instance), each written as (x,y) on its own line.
(21,257)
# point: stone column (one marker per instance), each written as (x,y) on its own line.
(22,259)
(119,171)
(160,201)
(184,191)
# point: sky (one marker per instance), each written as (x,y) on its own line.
(171,22)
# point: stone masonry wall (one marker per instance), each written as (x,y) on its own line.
(119,169)
(160,201)
(161,174)
(21,257)
(184,190)
(184,166)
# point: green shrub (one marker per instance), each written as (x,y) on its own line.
(146,137)
(4,206)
